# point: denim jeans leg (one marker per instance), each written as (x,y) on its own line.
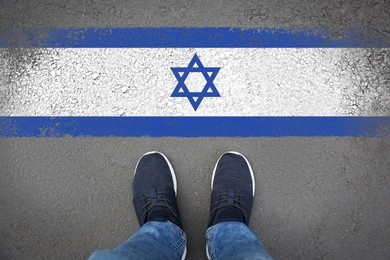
(233,240)
(154,240)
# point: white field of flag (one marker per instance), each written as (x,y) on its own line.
(252,82)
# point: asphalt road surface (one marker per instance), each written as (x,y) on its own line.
(317,198)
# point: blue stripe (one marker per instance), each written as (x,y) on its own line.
(179,37)
(193,126)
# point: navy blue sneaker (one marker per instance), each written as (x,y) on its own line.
(233,188)
(155,189)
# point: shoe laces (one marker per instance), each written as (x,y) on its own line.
(229,198)
(156,199)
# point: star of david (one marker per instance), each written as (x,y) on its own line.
(181,74)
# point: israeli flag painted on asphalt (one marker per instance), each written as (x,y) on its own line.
(189,82)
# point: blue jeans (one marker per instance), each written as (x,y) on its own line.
(165,240)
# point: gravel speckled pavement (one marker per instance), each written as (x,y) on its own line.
(316,197)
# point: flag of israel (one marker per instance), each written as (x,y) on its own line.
(187,82)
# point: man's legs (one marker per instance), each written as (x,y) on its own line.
(233,188)
(154,197)
(233,240)
(154,240)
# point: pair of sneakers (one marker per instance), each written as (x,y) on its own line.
(155,190)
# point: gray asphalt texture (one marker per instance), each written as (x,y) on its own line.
(324,198)
(317,198)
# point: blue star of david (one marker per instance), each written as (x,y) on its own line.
(181,74)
